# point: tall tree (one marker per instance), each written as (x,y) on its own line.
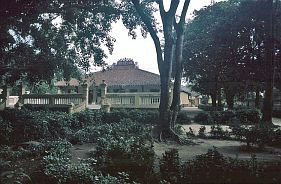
(237,36)
(269,59)
(173,31)
(59,35)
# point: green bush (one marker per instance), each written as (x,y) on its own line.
(86,118)
(206,107)
(248,116)
(183,118)
(202,132)
(242,116)
(202,117)
(58,168)
(25,125)
(144,116)
(206,168)
(190,133)
(222,117)
(170,167)
(5,131)
(257,135)
(218,133)
(123,149)
(213,167)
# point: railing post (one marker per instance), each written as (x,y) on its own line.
(137,100)
(21,92)
(51,100)
(104,104)
(85,92)
(103,87)
(94,92)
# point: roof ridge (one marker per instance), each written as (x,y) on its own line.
(147,72)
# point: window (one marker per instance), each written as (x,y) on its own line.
(133,90)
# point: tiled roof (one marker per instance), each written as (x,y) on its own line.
(119,75)
(126,76)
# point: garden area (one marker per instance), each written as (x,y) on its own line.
(117,147)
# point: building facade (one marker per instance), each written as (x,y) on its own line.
(123,85)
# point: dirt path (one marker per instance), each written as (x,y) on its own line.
(227,148)
(79,152)
(187,152)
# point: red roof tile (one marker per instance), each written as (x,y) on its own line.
(126,76)
(122,74)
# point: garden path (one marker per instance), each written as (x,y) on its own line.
(228,148)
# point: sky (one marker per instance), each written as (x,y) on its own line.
(141,50)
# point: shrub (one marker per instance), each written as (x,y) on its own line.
(249,116)
(58,168)
(205,168)
(14,176)
(257,135)
(222,117)
(206,107)
(5,131)
(243,116)
(124,155)
(144,116)
(179,129)
(218,133)
(122,149)
(213,167)
(190,133)
(202,117)
(183,118)
(28,125)
(86,118)
(170,167)
(201,132)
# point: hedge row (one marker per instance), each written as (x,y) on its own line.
(242,116)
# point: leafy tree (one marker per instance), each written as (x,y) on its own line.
(39,38)
(233,41)
(173,34)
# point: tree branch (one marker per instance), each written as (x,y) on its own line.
(161,8)
(184,11)
(181,22)
(173,7)
(151,31)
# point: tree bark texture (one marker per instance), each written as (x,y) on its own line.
(257,98)
(269,63)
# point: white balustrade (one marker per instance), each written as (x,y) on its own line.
(134,100)
(124,100)
(49,99)
(36,101)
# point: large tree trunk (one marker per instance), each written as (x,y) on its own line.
(229,100)
(164,59)
(219,99)
(175,107)
(269,61)
(257,98)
